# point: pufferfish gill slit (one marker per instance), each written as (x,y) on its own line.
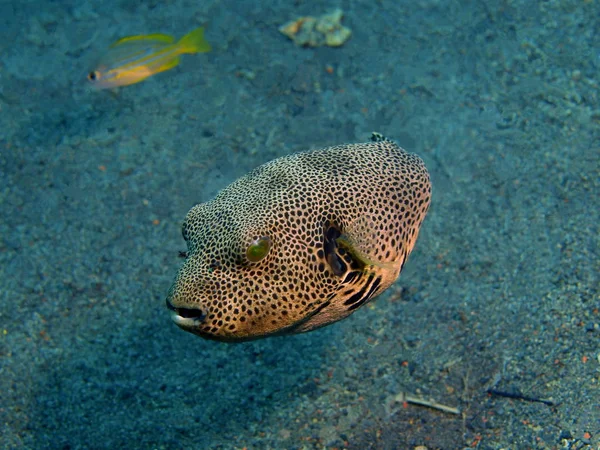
(300,242)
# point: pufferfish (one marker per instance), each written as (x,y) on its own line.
(300,242)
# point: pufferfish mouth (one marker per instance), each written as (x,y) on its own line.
(185,317)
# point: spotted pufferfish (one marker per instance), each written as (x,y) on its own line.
(300,242)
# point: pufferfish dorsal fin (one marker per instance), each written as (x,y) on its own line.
(378,137)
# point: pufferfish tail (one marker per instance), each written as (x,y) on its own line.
(194,42)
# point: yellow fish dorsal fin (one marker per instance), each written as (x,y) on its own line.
(194,42)
(348,244)
(156,37)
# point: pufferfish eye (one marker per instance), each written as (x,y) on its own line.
(258,249)
(94,76)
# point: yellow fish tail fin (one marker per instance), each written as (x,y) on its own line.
(194,42)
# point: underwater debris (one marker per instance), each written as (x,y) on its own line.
(326,29)
(404,397)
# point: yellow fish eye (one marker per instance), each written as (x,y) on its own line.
(258,249)
(94,76)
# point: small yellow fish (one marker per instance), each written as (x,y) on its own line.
(135,58)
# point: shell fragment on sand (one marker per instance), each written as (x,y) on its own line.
(326,29)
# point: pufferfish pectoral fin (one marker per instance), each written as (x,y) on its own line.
(345,241)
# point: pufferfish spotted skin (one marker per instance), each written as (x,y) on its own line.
(300,242)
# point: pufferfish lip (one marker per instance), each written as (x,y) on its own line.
(185,317)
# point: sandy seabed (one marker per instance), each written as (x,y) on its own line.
(497,312)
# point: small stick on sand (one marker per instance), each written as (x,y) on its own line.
(403,397)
